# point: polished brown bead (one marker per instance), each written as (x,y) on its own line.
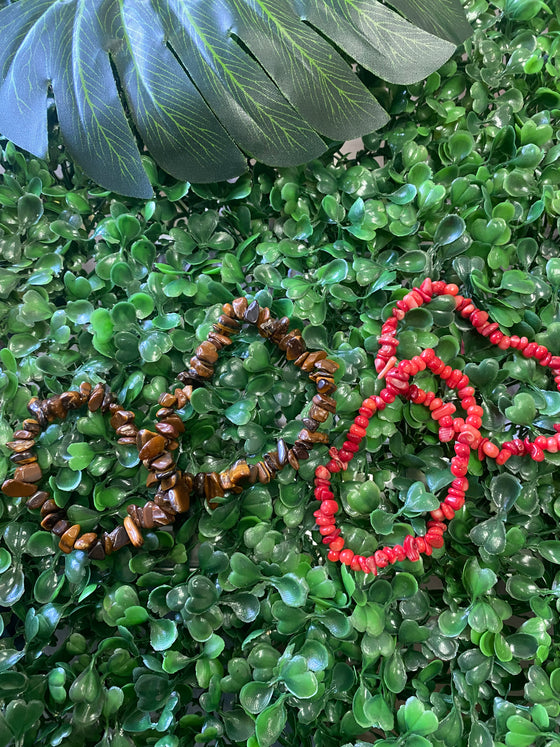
(229,321)
(253,473)
(37,499)
(324,401)
(152,448)
(162,463)
(96,551)
(85,541)
(161,518)
(167,400)
(313,438)
(268,328)
(294,348)
(312,359)
(85,390)
(239,471)
(212,486)
(164,412)
(176,422)
(179,497)
(219,341)
(221,329)
(282,452)
(143,436)
(129,430)
(23,457)
(300,451)
(292,460)
(326,366)
(169,482)
(71,400)
(239,306)
(272,462)
(119,537)
(182,397)
(96,397)
(133,531)
(127,440)
(32,426)
(135,513)
(226,481)
(310,424)
(107,543)
(283,344)
(18,489)
(161,499)
(264,316)
(49,506)
(28,473)
(326,386)
(35,407)
(151,480)
(60,527)
(318,413)
(167,430)
(24,436)
(146,515)
(49,521)
(301,360)
(108,400)
(202,370)
(252,313)
(121,417)
(264,473)
(207,352)
(166,474)
(55,408)
(282,327)
(19,446)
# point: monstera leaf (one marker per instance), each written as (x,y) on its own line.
(206,83)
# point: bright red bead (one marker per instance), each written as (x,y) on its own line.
(346,556)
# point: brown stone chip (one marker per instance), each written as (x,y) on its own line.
(326,366)
(96,397)
(133,532)
(18,489)
(152,448)
(239,306)
(37,499)
(85,541)
(318,413)
(207,352)
(312,359)
(67,540)
(324,401)
(167,400)
(19,446)
(28,473)
(31,425)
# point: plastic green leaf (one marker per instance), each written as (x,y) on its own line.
(163,633)
(270,723)
(195,125)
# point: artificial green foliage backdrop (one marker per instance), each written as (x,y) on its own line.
(233,629)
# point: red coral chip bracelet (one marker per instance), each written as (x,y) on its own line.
(173,486)
(463,431)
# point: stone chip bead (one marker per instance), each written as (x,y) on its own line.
(463,432)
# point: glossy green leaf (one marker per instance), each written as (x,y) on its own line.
(189,123)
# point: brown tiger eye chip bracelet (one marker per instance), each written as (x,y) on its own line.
(174,487)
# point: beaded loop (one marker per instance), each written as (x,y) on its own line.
(464,432)
(173,487)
